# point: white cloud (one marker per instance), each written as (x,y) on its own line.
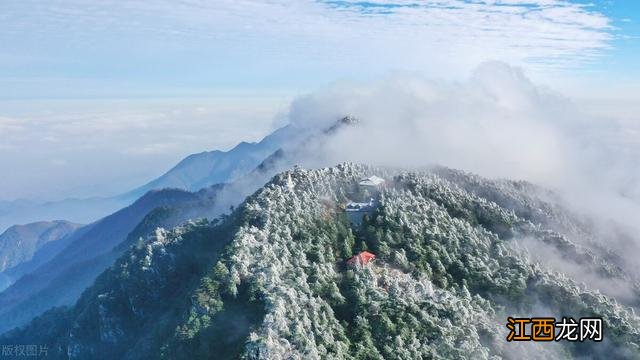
(8,126)
(171,46)
(496,123)
(342,36)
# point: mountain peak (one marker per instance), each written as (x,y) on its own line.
(19,242)
(347,120)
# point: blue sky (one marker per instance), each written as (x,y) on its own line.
(620,63)
(68,48)
(84,80)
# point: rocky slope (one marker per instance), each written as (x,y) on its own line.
(20,242)
(269,281)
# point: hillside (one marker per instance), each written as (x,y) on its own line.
(58,276)
(270,280)
(81,211)
(20,242)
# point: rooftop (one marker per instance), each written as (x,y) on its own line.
(362,258)
(356,206)
(372,181)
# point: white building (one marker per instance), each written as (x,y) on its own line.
(372,181)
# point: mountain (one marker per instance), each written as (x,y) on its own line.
(193,173)
(60,278)
(45,253)
(74,210)
(271,281)
(202,170)
(20,242)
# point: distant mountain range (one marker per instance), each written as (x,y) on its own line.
(253,265)
(195,172)
(19,243)
(204,169)
(57,274)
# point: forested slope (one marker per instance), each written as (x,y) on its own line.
(270,281)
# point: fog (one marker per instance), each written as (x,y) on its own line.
(589,275)
(58,149)
(498,124)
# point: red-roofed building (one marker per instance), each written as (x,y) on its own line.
(362,258)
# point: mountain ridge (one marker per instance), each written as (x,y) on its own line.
(209,167)
(61,278)
(20,242)
(36,282)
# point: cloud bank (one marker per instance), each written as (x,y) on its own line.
(497,123)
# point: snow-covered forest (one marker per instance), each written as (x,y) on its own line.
(270,280)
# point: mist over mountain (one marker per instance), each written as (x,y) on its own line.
(202,170)
(320,179)
(243,253)
(81,211)
(193,173)
(496,123)
(60,274)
